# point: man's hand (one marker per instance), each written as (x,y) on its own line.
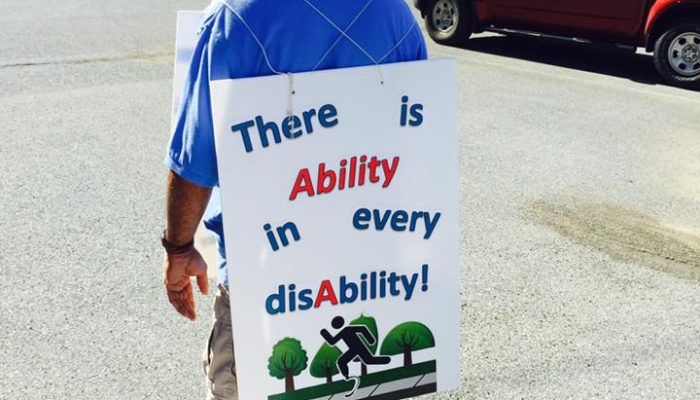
(178,270)
(186,203)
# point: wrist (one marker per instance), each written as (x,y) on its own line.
(175,248)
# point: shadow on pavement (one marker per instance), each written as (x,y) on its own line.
(607,60)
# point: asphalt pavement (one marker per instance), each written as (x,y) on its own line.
(580,211)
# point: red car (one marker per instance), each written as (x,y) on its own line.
(669,28)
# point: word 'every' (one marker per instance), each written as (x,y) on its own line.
(398,220)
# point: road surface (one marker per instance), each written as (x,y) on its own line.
(580,211)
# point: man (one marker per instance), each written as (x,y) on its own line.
(247,38)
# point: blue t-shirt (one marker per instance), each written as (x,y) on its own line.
(297,36)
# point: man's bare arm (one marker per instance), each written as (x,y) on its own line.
(186,203)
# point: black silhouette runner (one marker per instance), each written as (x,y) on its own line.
(350,335)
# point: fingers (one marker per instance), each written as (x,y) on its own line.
(198,269)
(183,301)
(172,297)
(178,270)
(180,305)
(203,282)
(179,285)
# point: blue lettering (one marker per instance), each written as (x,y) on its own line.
(361,215)
(308,125)
(327,116)
(291,127)
(404,111)
(416,115)
(380,222)
(243,127)
(264,127)
(279,298)
(305,299)
(344,288)
(398,221)
(430,225)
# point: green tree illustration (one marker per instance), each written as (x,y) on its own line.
(371,324)
(405,339)
(325,362)
(288,360)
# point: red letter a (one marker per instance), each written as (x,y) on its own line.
(325,293)
(303,184)
(322,176)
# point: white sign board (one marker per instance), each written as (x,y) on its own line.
(341,226)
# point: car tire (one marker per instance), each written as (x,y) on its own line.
(677,55)
(449,22)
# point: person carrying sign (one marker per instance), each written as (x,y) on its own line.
(241,39)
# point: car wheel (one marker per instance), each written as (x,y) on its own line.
(677,55)
(449,21)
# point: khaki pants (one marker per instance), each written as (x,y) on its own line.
(218,361)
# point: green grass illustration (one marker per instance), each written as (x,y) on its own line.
(368,380)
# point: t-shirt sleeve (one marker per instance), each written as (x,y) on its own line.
(191,152)
(421,47)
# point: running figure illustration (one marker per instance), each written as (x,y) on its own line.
(351,336)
